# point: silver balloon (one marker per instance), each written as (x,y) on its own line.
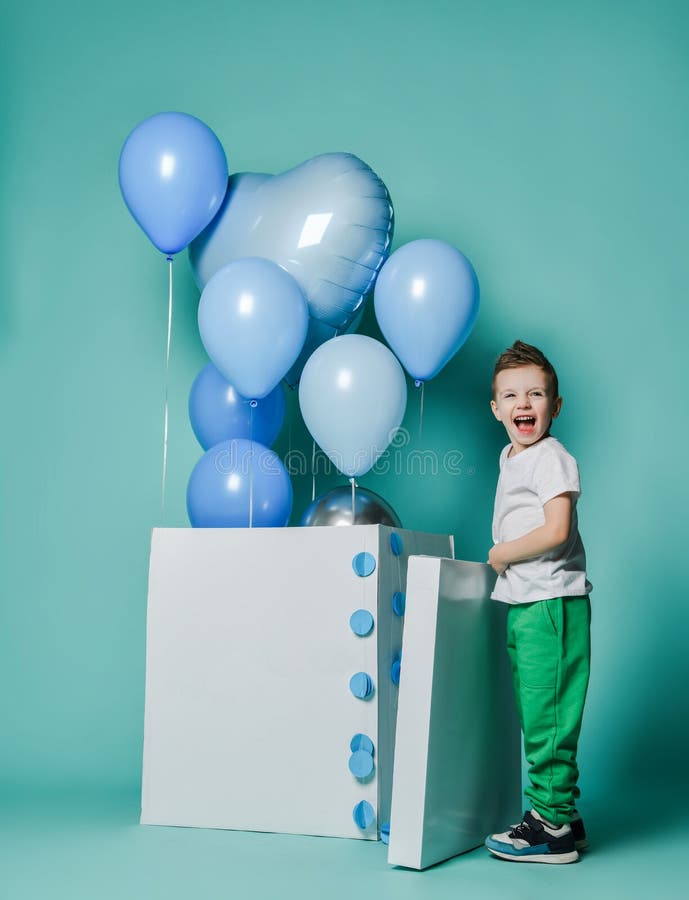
(335,508)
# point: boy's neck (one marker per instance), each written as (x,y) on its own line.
(513,451)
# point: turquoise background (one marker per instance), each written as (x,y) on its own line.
(548,141)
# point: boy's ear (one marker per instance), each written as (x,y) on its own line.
(494,407)
(557,406)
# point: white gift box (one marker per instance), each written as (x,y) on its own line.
(256,714)
(457,773)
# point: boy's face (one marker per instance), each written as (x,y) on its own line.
(524,403)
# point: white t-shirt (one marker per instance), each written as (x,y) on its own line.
(527,481)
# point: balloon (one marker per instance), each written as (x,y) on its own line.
(253,320)
(219,489)
(173,177)
(328,221)
(426,302)
(218,413)
(335,508)
(352,396)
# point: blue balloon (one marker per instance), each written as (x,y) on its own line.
(173,177)
(253,320)
(218,412)
(353,395)
(426,301)
(328,221)
(220,487)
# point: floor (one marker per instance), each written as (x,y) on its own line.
(83,847)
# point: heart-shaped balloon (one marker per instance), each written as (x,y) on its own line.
(328,222)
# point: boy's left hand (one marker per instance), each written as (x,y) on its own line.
(496,560)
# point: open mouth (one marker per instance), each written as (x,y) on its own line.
(525,424)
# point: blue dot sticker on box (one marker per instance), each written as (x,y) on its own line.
(364,564)
(361,622)
(396,544)
(361,742)
(395,670)
(385,832)
(361,764)
(399,603)
(364,815)
(361,685)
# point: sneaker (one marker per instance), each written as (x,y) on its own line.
(534,840)
(579,834)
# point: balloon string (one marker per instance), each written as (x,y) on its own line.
(353,500)
(420,384)
(167,380)
(313,472)
(252,404)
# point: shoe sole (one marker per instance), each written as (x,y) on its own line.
(552,858)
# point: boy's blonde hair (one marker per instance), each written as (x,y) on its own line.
(521,354)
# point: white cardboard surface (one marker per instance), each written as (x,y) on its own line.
(457,767)
(249,654)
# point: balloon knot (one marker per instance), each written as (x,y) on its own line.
(417,382)
(253,403)
(169,258)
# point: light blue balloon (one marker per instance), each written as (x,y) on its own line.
(353,395)
(173,177)
(426,301)
(220,487)
(218,412)
(253,320)
(328,221)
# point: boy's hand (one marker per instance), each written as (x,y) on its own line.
(543,539)
(496,559)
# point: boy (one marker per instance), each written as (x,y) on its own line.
(541,566)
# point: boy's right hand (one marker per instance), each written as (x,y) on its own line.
(496,560)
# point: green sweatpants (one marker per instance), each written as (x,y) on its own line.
(550,648)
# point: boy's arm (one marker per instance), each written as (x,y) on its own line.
(546,537)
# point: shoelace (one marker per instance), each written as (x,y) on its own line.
(522,830)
